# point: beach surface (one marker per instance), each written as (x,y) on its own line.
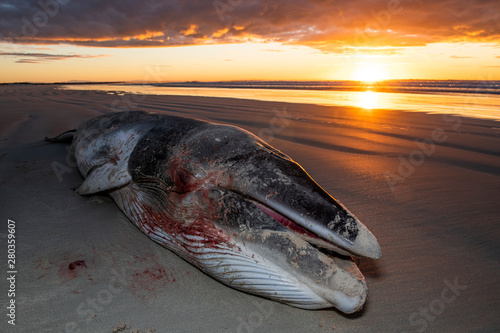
(426,185)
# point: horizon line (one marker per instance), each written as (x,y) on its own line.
(221,81)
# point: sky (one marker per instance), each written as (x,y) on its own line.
(189,40)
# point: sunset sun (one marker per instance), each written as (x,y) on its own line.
(369,72)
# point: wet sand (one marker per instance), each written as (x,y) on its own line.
(428,186)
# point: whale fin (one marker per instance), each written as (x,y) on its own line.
(66,137)
(106,177)
(105,161)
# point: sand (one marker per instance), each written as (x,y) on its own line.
(433,205)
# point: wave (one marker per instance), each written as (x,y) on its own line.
(407,86)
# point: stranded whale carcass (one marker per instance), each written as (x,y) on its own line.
(230,204)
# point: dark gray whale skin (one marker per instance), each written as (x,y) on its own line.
(229,203)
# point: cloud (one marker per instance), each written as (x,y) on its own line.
(462,57)
(35,58)
(328,25)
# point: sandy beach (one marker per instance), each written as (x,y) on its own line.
(426,185)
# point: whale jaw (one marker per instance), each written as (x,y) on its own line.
(270,261)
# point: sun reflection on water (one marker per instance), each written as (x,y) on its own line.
(482,106)
(368,100)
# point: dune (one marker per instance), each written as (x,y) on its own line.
(427,186)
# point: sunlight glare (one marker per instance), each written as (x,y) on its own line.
(367,100)
(369,72)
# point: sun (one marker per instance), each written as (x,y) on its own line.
(369,72)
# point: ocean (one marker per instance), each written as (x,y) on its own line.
(479,99)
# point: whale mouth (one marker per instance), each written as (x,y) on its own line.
(305,270)
(313,239)
(281,188)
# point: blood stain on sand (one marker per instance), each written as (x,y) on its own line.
(70,271)
(149,277)
(67,267)
(72,266)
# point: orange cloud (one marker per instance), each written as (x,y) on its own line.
(331,26)
(220,33)
(190,31)
(35,58)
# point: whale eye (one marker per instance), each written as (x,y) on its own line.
(103,153)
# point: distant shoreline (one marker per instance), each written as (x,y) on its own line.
(487,87)
(56,83)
